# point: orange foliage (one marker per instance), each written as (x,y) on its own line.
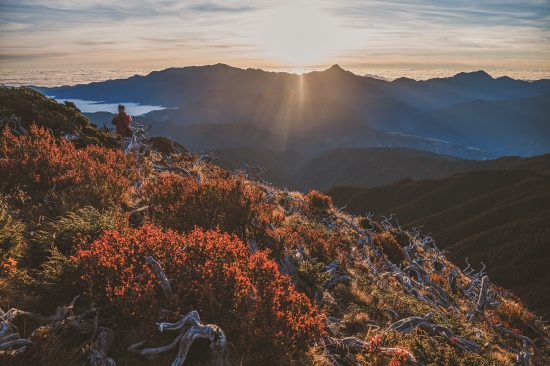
(55,172)
(316,202)
(232,205)
(318,243)
(390,246)
(244,294)
(440,280)
(398,358)
(8,266)
(511,316)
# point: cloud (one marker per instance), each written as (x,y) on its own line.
(193,31)
(218,8)
(7,56)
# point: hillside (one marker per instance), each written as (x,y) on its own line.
(378,166)
(235,135)
(495,217)
(349,110)
(29,107)
(494,126)
(369,167)
(152,255)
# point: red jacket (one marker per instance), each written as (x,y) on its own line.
(122,121)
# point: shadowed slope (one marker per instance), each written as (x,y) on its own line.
(495,217)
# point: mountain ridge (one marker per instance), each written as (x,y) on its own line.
(335,101)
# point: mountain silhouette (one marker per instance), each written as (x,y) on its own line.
(335,104)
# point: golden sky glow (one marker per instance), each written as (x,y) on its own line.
(300,36)
(258,33)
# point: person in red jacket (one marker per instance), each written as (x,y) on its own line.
(122,122)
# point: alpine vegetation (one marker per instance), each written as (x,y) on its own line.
(116,251)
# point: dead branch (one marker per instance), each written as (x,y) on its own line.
(407,325)
(480,310)
(356,345)
(164,283)
(62,319)
(337,275)
(190,329)
(171,168)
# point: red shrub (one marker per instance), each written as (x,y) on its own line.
(316,202)
(244,294)
(399,358)
(55,172)
(232,205)
(511,316)
(390,246)
(319,243)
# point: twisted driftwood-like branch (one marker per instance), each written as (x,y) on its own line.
(356,345)
(171,168)
(407,325)
(523,357)
(190,329)
(258,168)
(164,283)
(337,275)
(11,344)
(12,123)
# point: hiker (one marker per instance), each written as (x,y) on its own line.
(122,122)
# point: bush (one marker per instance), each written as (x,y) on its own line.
(46,172)
(11,235)
(232,205)
(319,242)
(512,315)
(317,203)
(35,108)
(86,223)
(244,294)
(390,247)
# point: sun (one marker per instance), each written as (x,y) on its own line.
(299,35)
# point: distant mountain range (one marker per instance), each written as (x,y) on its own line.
(470,115)
(498,217)
(301,163)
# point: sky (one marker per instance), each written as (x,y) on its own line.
(479,34)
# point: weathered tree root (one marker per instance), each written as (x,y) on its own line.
(523,357)
(408,325)
(164,283)
(354,345)
(337,275)
(171,168)
(191,328)
(11,344)
(13,120)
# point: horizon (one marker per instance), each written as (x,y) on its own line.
(79,76)
(304,34)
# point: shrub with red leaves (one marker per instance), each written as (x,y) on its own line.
(399,358)
(259,310)
(232,205)
(53,172)
(316,202)
(390,246)
(512,315)
(318,242)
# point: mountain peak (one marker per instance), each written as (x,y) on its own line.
(336,67)
(474,75)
